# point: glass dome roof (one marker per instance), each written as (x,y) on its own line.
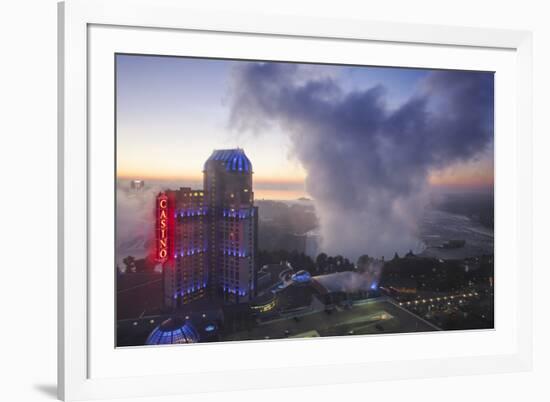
(235,159)
(173,331)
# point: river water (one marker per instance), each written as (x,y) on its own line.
(438,227)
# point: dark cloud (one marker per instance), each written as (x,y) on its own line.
(367,165)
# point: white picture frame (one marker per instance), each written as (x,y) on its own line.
(80,378)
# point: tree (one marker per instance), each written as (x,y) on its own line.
(130,263)
(321,262)
(330,263)
(321,259)
(363,262)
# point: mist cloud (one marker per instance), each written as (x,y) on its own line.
(135,220)
(367,165)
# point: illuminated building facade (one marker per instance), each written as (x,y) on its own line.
(212,234)
(233,225)
(186,272)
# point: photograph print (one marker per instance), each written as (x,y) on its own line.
(269,200)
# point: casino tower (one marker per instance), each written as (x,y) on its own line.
(213,235)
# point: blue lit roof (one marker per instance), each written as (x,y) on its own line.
(234,159)
(173,331)
(301,276)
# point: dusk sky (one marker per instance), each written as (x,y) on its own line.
(173,111)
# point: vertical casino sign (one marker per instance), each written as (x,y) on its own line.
(164,225)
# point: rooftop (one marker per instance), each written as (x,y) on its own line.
(375,316)
(234,159)
(346,282)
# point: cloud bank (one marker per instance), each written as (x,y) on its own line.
(135,220)
(367,165)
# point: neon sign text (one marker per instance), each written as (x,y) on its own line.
(162,228)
